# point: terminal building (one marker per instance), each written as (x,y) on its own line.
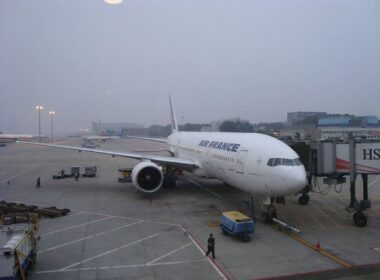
(318,125)
(295,118)
(118,129)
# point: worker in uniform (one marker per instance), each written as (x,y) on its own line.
(211,246)
(38,183)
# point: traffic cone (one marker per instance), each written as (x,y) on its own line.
(318,246)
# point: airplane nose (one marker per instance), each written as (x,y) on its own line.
(297,180)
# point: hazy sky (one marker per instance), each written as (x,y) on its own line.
(256,60)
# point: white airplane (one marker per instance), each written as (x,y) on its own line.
(9,138)
(99,138)
(256,163)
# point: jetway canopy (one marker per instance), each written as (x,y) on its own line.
(333,158)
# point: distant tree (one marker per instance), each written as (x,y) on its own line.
(192,127)
(159,130)
(236,126)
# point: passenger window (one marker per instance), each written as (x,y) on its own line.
(287,162)
(277,161)
(270,162)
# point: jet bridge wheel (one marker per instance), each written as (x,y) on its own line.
(304,199)
(360,219)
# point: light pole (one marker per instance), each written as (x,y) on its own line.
(39,108)
(52,113)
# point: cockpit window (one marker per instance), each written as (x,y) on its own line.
(287,162)
(277,161)
(284,162)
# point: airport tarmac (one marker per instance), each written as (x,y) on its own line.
(114,232)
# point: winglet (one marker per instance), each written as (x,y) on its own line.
(173,117)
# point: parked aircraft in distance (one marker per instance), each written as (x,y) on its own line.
(10,138)
(256,163)
(99,138)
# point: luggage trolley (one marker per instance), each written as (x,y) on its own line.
(237,224)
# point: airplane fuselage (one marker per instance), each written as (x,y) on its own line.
(256,163)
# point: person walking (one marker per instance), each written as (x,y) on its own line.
(76,176)
(211,246)
(38,183)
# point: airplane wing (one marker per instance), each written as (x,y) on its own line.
(147,138)
(96,137)
(184,163)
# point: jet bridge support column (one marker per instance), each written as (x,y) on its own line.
(359,217)
(365,203)
(353,201)
(365,186)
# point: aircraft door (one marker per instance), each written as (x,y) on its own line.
(240,161)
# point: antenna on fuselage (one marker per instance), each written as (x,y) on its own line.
(173,116)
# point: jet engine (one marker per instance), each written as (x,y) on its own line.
(147,176)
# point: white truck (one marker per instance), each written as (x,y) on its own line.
(18,249)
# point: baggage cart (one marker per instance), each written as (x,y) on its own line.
(237,224)
(89,171)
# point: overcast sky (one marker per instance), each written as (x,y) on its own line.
(256,60)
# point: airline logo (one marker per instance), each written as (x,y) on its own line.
(224,146)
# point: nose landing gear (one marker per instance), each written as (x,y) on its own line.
(267,217)
(304,199)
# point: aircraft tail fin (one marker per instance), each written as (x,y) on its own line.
(173,116)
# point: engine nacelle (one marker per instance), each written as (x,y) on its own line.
(147,177)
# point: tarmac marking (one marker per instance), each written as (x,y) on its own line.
(111,251)
(120,266)
(107,215)
(75,214)
(212,262)
(88,237)
(374,181)
(76,226)
(127,218)
(377,249)
(18,174)
(320,250)
(171,252)
(344,217)
(332,220)
(202,187)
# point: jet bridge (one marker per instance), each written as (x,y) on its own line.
(335,161)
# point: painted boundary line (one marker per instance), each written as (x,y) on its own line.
(324,273)
(214,264)
(110,251)
(202,187)
(18,174)
(102,214)
(76,226)
(321,251)
(88,237)
(119,266)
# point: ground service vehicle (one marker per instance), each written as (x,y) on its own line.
(237,224)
